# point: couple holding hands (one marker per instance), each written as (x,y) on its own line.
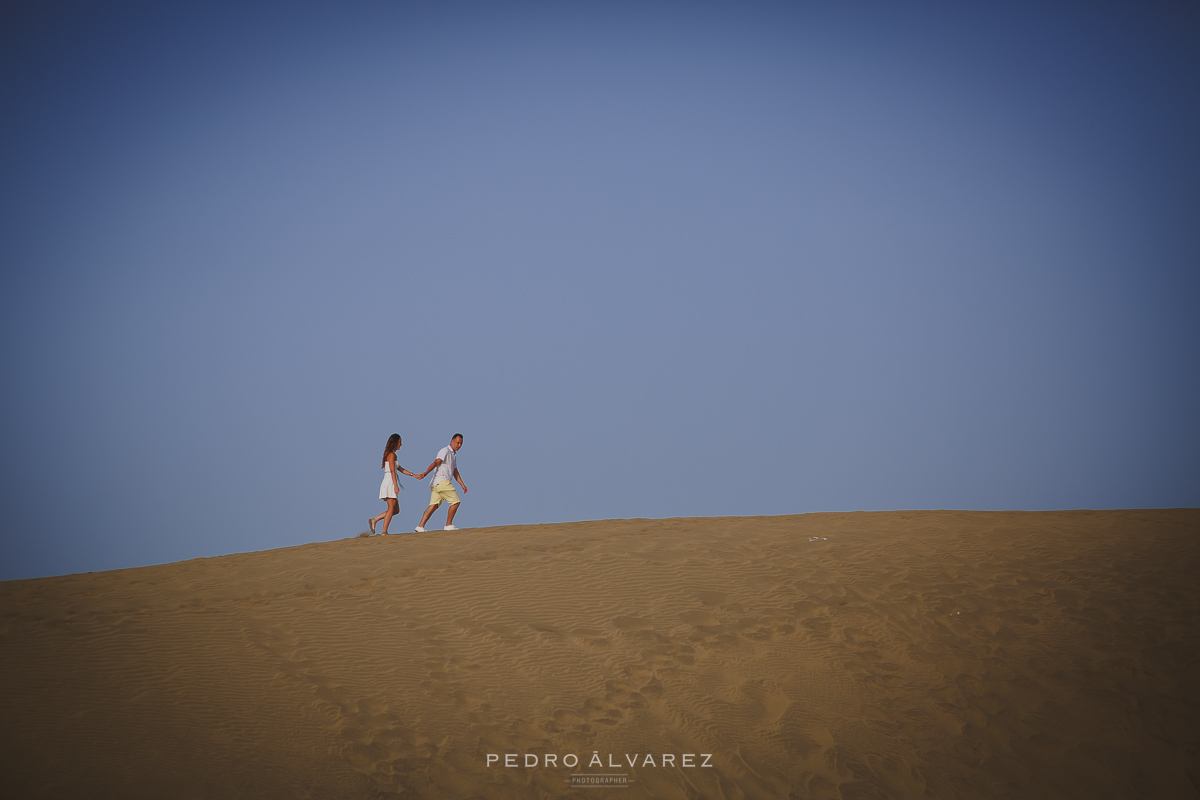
(441,489)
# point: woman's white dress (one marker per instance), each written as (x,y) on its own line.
(387,488)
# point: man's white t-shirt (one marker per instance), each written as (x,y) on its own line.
(445,470)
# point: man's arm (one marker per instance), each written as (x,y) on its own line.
(460,480)
(432,467)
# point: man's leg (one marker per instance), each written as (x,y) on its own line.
(428,513)
(450,514)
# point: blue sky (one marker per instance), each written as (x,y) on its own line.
(652,259)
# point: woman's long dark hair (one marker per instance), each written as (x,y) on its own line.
(393,440)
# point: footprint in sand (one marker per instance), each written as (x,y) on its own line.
(632,624)
(592,638)
(700,618)
(765,701)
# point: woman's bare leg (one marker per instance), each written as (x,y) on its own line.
(392,509)
(376,518)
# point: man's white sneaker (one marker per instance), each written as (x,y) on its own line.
(419,529)
(450,528)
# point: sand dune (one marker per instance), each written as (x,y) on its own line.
(881,655)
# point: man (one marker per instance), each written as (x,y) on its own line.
(441,489)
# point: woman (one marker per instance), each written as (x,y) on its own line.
(391,484)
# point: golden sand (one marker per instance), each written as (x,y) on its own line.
(867,655)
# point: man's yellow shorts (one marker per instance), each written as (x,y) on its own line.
(443,492)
